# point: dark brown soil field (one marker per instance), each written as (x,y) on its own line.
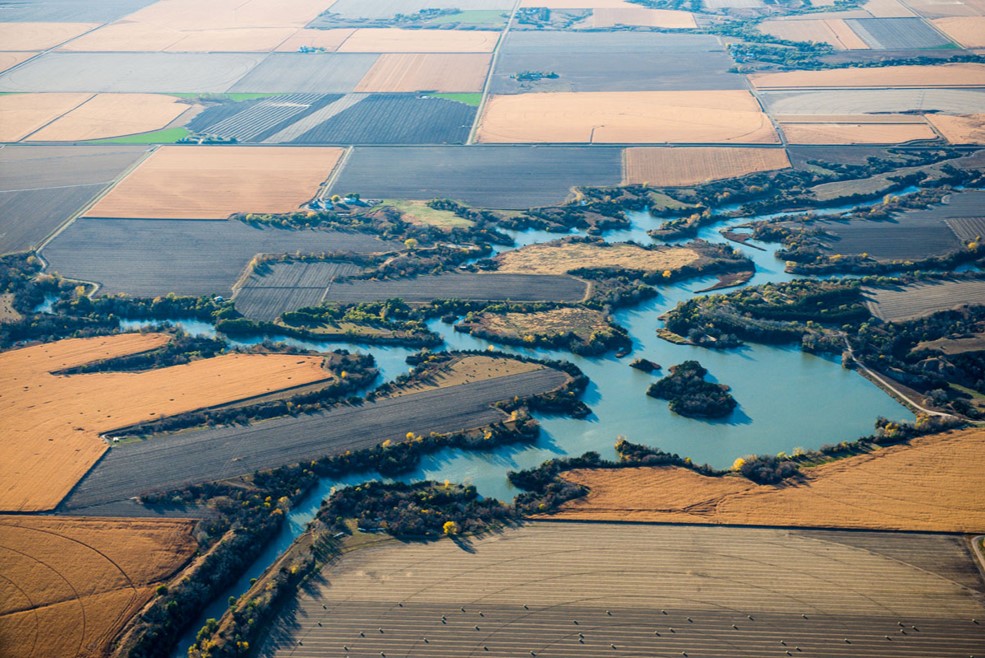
(146,258)
(504,177)
(918,300)
(202,456)
(613,61)
(564,589)
(492,287)
(43,186)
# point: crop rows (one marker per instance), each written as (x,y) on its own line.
(967,228)
(897,33)
(264,117)
(919,300)
(906,238)
(287,287)
(312,73)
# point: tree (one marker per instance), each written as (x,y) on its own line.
(450,528)
(411,243)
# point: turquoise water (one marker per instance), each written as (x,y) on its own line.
(787,399)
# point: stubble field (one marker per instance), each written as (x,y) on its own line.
(961,129)
(399,72)
(309,73)
(395,40)
(946,75)
(24,114)
(922,299)
(561,258)
(673,167)
(969,31)
(55,421)
(40,36)
(856,133)
(112,115)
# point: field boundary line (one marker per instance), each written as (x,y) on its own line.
(473,133)
(694,524)
(60,116)
(976,549)
(333,175)
(93,201)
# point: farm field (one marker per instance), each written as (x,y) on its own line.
(24,114)
(626,117)
(968,31)
(613,62)
(204,455)
(55,422)
(945,75)
(330,40)
(43,186)
(385,119)
(960,130)
(951,346)
(112,115)
(856,133)
(40,36)
(71,584)
(581,322)
(394,40)
(501,177)
(883,182)
(182,182)
(887,9)
(906,237)
(66,11)
(224,14)
(606,17)
(309,73)
(130,72)
(578,590)
(898,33)
(518,287)
(288,286)
(673,167)
(147,258)
(10,60)
(921,299)
(401,72)
(131,36)
(561,258)
(420,213)
(833,31)
(875,102)
(257,120)
(934,480)
(387,9)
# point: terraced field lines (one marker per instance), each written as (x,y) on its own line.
(287,287)
(919,300)
(671,167)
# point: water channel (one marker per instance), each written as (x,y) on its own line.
(787,399)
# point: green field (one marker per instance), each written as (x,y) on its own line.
(165,136)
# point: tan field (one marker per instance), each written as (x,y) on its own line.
(932,485)
(856,133)
(833,31)
(582,322)
(330,40)
(627,117)
(229,14)
(946,75)
(40,36)
(7,311)
(969,31)
(213,182)
(395,40)
(887,9)
(22,114)
(867,119)
(10,60)
(111,115)
(561,258)
(70,584)
(948,8)
(397,72)
(467,370)
(675,167)
(666,18)
(53,422)
(960,130)
(144,37)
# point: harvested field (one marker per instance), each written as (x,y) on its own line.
(330,40)
(145,258)
(130,36)
(499,177)
(54,422)
(887,9)
(627,117)
(178,182)
(309,73)
(834,31)
(945,75)
(259,119)
(394,40)
(203,456)
(856,133)
(967,228)
(230,14)
(40,36)
(130,72)
(112,115)
(945,8)
(288,286)
(69,11)
(561,258)
(898,33)
(921,299)
(71,584)
(960,130)
(23,114)
(909,236)
(398,72)
(934,484)
(952,346)
(566,589)
(10,60)
(387,9)
(390,119)
(613,62)
(604,17)
(521,287)
(70,177)
(674,167)
(876,102)
(968,31)
(581,322)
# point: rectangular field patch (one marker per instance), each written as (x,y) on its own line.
(605,17)
(674,167)
(898,33)
(213,182)
(309,73)
(130,36)
(39,36)
(874,102)
(23,114)
(70,11)
(856,133)
(411,72)
(286,287)
(395,40)
(921,299)
(834,31)
(969,129)
(112,115)
(945,75)
(627,117)
(968,31)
